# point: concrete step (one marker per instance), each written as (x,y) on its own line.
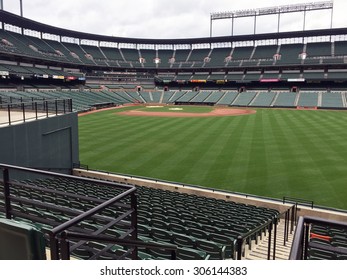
(259,251)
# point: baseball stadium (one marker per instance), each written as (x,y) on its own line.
(215,148)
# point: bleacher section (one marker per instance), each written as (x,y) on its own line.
(201,96)
(285,99)
(244,99)
(187,97)
(308,99)
(263,99)
(228,98)
(200,227)
(81,100)
(332,100)
(87,99)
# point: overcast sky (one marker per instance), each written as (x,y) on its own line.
(169,18)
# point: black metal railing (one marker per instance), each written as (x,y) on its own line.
(65,237)
(298,201)
(241,241)
(290,220)
(14,112)
(301,241)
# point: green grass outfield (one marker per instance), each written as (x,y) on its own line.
(272,153)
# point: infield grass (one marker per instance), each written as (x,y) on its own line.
(272,153)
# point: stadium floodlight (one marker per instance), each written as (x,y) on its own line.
(245,13)
(268,11)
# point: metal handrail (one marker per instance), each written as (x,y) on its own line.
(66,235)
(55,233)
(45,106)
(298,201)
(269,225)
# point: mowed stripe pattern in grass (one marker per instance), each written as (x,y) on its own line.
(272,153)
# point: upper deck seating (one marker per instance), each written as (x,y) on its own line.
(165,56)
(218,57)
(289,54)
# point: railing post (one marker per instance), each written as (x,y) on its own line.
(6,178)
(173,255)
(293,218)
(46,105)
(269,242)
(134,224)
(64,247)
(36,110)
(275,237)
(54,247)
(239,247)
(9,114)
(56,107)
(306,240)
(23,110)
(285,227)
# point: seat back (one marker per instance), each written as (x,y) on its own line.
(191,254)
(20,241)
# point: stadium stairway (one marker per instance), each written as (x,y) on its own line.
(260,251)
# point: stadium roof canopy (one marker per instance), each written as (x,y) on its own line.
(12,19)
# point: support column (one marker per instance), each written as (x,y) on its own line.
(21,7)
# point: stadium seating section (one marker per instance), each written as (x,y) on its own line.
(327,243)
(201,227)
(95,98)
(269,55)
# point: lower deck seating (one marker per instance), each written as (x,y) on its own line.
(88,99)
(201,227)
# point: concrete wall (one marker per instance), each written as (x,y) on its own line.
(50,143)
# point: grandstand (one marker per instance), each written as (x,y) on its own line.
(45,84)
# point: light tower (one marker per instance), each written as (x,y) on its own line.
(278,10)
(20,4)
(21,7)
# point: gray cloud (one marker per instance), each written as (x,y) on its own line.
(160,18)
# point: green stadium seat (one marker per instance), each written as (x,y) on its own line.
(228,242)
(20,241)
(197,233)
(191,254)
(161,235)
(318,254)
(177,228)
(183,240)
(215,250)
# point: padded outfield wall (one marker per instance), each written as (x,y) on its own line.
(50,143)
